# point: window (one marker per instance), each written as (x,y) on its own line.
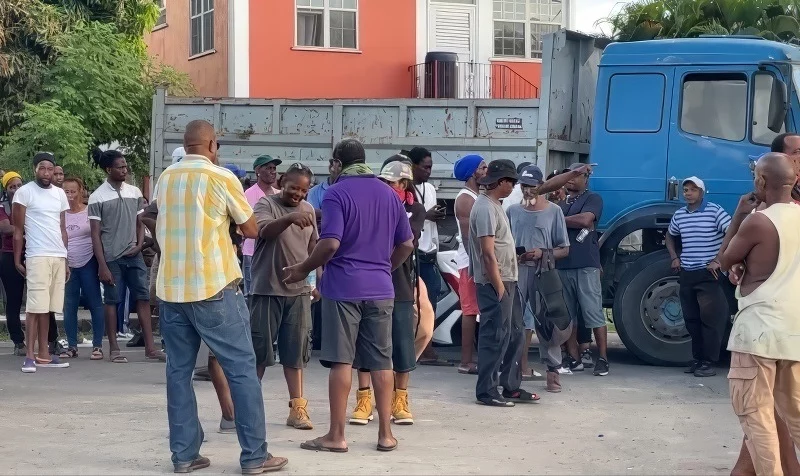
(520,26)
(762,92)
(202,26)
(162,7)
(327,23)
(715,105)
(635,102)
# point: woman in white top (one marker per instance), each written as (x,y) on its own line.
(83,280)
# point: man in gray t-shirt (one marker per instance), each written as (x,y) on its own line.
(493,266)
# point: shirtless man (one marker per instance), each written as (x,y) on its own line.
(763,256)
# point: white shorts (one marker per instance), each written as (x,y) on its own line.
(45,278)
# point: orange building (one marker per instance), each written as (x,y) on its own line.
(358,49)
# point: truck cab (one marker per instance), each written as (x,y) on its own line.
(666,110)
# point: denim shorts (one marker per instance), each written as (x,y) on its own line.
(133,272)
(582,293)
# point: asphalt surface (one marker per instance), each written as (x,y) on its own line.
(103,418)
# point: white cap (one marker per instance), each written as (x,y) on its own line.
(178,154)
(695,180)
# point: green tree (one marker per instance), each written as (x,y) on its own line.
(76,75)
(657,19)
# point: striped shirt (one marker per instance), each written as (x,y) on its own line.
(196,202)
(701,232)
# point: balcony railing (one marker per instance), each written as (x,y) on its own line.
(463,80)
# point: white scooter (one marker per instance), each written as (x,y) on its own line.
(447,326)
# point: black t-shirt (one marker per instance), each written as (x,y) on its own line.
(403,277)
(586,254)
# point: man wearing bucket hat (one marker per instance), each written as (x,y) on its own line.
(265,167)
(468,169)
(493,266)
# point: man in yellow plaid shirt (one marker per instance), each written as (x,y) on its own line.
(198,281)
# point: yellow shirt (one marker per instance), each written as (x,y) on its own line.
(196,202)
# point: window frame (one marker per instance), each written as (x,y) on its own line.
(162,8)
(202,15)
(609,98)
(527,30)
(751,97)
(326,10)
(721,73)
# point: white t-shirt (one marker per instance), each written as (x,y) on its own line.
(43,208)
(514,198)
(429,238)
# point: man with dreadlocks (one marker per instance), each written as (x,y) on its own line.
(365,234)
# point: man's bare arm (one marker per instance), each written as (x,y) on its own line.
(581,220)
(249,228)
(401,253)
(463,207)
(561,252)
(560,180)
(743,239)
(18,214)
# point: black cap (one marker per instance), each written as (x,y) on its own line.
(499,169)
(531,175)
(43,156)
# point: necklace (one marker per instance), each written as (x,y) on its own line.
(571,199)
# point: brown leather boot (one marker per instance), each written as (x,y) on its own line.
(298,415)
(553,382)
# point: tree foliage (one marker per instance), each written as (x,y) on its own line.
(75,74)
(656,19)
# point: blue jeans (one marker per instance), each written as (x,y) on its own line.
(429,273)
(84,279)
(247,265)
(223,323)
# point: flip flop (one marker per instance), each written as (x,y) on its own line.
(117,358)
(316,445)
(435,362)
(468,370)
(380,447)
(157,355)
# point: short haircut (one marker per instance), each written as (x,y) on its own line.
(779,142)
(417,154)
(349,152)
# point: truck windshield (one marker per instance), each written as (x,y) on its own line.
(796,77)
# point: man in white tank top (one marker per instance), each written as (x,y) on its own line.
(467,169)
(762,252)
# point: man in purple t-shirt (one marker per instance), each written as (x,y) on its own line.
(365,235)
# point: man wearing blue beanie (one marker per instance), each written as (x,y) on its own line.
(468,169)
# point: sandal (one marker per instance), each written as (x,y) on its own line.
(69,353)
(435,362)
(157,355)
(97,354)
(117,358)
(471,369)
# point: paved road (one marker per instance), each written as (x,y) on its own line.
(103,418)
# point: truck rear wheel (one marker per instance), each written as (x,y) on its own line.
(647,312)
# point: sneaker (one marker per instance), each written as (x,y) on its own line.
(54,363)
(199,463)
(226,426)
(29,366)
(705,370)
(298,415)
(20,350)
(363,412)
(564,371)
(586,359)
(692,367)
(400,413)
(497,401)
(573,365)
(601,368)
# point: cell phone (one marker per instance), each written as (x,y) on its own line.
(521,250)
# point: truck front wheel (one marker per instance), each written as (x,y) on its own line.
(647,312)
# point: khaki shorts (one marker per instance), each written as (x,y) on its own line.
(45,278)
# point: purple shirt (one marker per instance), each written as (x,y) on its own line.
(369,221)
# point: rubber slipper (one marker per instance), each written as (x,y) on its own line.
(380,447)
(435,362)
(316,445)
(117,358)
(468,370)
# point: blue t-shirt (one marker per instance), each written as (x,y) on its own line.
(587,253)
(317,193)
(701,232)
(369,221)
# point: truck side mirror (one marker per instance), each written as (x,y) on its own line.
(777,106)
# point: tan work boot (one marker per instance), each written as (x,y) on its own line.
(363,412)
(400,413)
(553,382)
(298,415)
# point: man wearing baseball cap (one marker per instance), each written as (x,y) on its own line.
(701,226)
(265,167)
(468,169)
(493,266)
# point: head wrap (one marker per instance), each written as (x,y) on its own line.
(9,176)
(466,166)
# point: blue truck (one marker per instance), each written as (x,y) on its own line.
(665,110)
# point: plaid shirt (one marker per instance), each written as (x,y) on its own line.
(196,202)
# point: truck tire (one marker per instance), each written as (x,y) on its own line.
(647,312)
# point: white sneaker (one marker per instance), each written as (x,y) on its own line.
(564,371)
